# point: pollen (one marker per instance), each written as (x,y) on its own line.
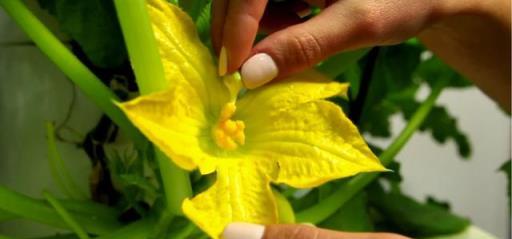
(228,133)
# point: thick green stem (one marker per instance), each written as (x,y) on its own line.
(335,201)
(101,95)
(35,210)
(176,182)
(149,72)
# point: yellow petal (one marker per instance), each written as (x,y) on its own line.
(313,143)
(297,89)
(187,62)
(241,194)
(171,124)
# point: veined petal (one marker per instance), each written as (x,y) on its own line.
(170,120)
(241,193)
(186,60)
(288,93)
(313,143)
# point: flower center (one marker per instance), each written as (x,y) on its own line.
(229,134)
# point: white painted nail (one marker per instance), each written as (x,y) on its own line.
(258,70)
(240,230)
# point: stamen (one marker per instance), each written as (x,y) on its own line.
(229,134)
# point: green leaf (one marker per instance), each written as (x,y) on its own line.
(203,24)
(193,7)
(407,216)
(434,69)
(396,78)
(442,126)
(391,77)
(337,64)
(352,217)
(93,25)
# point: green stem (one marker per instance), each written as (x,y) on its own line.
(101,95)
(136,230)
(336,200)
(149,72)
(176,183)
(36,210)
(141,45)
(59,171)
(66,216)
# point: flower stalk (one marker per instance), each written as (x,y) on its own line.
(321,211)
(149,72)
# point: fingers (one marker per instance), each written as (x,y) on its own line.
(219,9)
(237,32)
(301,46)
(252,231)
(344,25)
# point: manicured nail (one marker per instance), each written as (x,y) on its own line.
(304,12)
(258,70)
(223,61)
(240,230)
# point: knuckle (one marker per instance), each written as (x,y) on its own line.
(308,47)
(371,22)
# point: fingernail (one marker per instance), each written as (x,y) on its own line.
(304,12)
(223,61)
(240,230)
(258,70)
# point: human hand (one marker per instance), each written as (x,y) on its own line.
(472,36)
(295,44)
(288,231)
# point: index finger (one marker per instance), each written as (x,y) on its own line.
(240,29)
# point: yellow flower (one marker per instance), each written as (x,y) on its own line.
(280,133)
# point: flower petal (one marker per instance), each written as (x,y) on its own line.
(241,194)
(168,121)
(287,93)
(313,143)
(186,60)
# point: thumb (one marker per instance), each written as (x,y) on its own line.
(301,46)
(253,231)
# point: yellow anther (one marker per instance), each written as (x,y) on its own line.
(230,126)
(229,134)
